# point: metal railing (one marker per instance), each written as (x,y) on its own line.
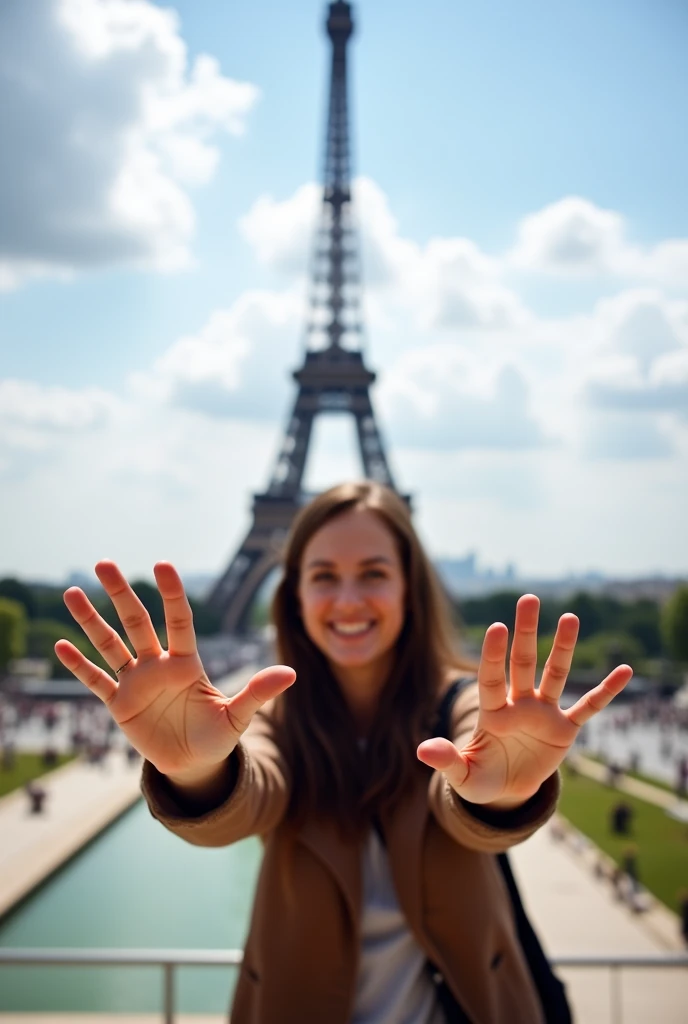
(170,959)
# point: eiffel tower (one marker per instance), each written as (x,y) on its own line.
(333,377)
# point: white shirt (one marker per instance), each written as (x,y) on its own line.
(393,985)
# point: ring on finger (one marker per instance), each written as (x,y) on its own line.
(127,662)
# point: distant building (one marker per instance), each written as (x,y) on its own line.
(464,578)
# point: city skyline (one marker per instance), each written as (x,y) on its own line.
(525,248)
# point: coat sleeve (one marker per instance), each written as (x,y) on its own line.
(255,801)
(474,825)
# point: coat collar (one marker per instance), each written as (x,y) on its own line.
(403,831)
(343,859)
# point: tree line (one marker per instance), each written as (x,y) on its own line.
(640,632)
(34,617)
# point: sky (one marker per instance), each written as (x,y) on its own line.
(520,191)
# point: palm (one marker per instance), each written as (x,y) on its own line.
(163,701)
(522,735)
(168,708)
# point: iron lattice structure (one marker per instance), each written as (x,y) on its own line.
(333,377)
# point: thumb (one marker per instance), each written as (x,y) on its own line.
(442,755)
(262,687)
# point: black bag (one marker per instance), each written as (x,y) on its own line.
(550,989)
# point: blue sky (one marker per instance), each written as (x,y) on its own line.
(525,232)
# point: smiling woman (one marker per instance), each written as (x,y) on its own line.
(360,616)
(380,808)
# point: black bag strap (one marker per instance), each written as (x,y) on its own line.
(443,720)
(550,989)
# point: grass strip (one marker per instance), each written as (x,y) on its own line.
(26,768)
(650,779)
(661,841)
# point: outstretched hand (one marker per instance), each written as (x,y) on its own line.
(163,700)
(522,735)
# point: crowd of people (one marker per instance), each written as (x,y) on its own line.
(80,728)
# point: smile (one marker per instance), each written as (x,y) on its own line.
(351,629)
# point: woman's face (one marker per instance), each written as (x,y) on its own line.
(352,591)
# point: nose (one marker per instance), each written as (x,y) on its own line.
(348,596)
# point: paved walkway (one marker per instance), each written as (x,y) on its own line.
(676,806)
(82,799)
(576,912)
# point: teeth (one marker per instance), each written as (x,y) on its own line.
(350,628)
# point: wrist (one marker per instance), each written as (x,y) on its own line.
(199,777)
(508,803)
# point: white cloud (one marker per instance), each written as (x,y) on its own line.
(236,365)
(36,418)
(152,483)
(627,377)
(636,389)
(104,122)
(615,435)
(29,404)
(282,233)
(573,236)
(444,397)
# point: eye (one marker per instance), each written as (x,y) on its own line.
(374,574)
(324,576)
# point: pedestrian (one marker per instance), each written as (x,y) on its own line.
(379,897)
(36,795)
(49,757)
(682,776)
(8,755)
(683,913)
(629,864)
(620,818)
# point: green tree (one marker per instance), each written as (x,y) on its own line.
(675,624)
(483,611)
(42,635)
(604,651)
(12,631)
(586,607)
(206,621)
(642,620)
(150,598)
(49,604)
(18,591)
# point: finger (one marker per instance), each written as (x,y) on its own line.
(131,611)
(558,664)
(262,687)
(443,756)
(181,638)
(98,681)
(492,668)
(523,660)
(104,638)
(593,701)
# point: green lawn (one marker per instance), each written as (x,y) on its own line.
(661,841)
(26,767)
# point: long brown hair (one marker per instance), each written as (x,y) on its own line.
(330,775)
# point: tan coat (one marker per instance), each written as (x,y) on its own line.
(301,956)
